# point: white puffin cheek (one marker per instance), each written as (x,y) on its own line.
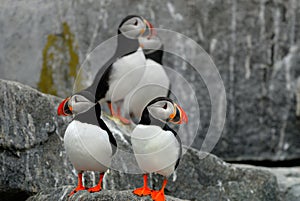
(130,31)
(82,107)
(71,103)
(159,113)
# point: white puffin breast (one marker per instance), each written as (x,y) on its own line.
(155,150)
(126,74)
(154,83)
(87,147)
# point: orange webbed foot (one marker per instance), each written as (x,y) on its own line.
(158,195)
(143,191)
(95,189)
(78,188)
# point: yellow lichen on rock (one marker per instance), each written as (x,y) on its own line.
(60,63)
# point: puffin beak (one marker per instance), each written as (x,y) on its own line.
(178,116)
(151,28)
(63,108)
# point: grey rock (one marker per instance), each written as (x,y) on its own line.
(256,49)
(104,195)
(31,147)
(288,180)
(38,164)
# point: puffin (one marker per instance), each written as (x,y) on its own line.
(157,147)
(154,82)
(88,142)
(122,72)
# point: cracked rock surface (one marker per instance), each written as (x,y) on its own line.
(44,165)
(288,180)
(105,195)
(31,149)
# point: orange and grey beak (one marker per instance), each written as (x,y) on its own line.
(64,109)
(178,116)
(151,28)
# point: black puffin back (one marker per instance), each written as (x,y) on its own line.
(167,128)
(156,55)
(125,46)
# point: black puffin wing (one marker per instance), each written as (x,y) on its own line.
(112,139)
(103,125)
(100,84)
(167,128)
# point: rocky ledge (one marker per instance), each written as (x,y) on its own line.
(105,195)
(198,178)
(34,162)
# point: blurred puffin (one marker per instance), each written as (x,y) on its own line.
(124,69)
(156,146)
(88,142)
(154,82)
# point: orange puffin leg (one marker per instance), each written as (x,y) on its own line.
(119,110)
(159,195)
(98,187)
(79,187)
(111,109)
(145,190)
(118,114)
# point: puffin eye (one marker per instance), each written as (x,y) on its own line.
(135,23)
(165,106)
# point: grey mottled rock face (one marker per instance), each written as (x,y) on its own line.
(254,44)
(257,52)
(38,164)
(31,148)
(105,195)
(288,180)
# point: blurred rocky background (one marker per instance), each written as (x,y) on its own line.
(254,44)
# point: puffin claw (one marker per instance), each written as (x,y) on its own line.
(158,195)
(94,189)
(143,191)
(78,188)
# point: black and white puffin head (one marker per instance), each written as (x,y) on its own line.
(133,26)
(165,110)
(76,104)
